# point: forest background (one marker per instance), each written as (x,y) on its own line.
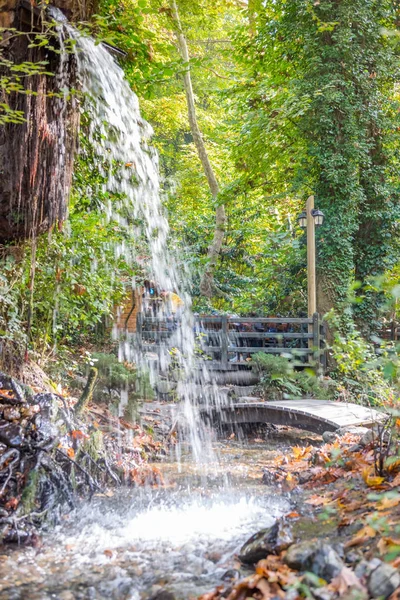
(292,97)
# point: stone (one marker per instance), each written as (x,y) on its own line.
(66,595)
(353,430)
(267,541)
(367,438)
(315,556)
(162,594)
(329,437)
(353,557)
(231,575)
(165,386)
(11,434)
(383,581)
(11,413)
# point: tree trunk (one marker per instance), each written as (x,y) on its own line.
(36,155)
(207,280)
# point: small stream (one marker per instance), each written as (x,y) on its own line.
(182,536)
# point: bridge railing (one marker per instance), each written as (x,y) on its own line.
(227,343)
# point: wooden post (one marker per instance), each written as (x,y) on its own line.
(311,276)
(316,340)
(311,279)
(224,341)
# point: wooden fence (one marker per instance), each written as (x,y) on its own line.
(227,343)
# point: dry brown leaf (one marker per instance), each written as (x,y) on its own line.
(386,503)
(317,500)
(345,580)
(396,481)
(365,534)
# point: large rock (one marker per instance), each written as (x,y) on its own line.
(267,541)
(165,386)
(383,581)
(315,556)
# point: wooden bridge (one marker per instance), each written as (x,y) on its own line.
(312,415)
(227,343)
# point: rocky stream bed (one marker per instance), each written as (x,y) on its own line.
(86,514)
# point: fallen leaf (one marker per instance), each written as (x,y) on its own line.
(364,535)
(396,481)
(317,500)
(344,580)
(386,503)
(77,434)
(11,504)
(370,479)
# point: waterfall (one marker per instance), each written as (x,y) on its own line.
(121,139)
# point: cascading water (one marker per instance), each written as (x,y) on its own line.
(129,165)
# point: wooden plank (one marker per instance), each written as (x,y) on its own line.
(271,350)
(268,335)
(282,320)
(224,341)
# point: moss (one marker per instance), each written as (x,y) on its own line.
(28,499)
(87,393)
(94,445)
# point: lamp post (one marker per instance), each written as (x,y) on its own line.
(309,219)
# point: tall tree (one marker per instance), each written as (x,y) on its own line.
(207,280)
(321,119)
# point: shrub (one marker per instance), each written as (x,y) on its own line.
(278,379)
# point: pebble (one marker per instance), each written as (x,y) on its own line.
(315,556)
(11,414)
(383,581)
(267,541)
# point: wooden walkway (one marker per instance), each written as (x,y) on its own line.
(311,415)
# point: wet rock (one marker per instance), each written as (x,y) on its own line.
(315,556)
(231,575)
(383,581)
(267,541)
(48,405)
(11,434)
(329,437)
(353,430)
(269,477)
(161,594)
(8,383)
(165,386)
(353,557)
(11,413)
(367,438)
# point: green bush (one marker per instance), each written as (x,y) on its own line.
(366,373)
(278,379)
(115,377)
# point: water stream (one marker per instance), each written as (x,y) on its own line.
(182,537)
